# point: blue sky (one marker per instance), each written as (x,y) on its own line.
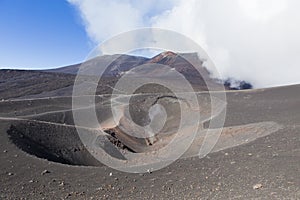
(39,34)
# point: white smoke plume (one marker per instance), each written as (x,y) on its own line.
(252,40)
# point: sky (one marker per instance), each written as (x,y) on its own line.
(253,40)
(40,34)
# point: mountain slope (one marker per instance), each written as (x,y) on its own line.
(59,82)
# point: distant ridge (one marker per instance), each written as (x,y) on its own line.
(60,81)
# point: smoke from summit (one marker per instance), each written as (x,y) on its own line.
(251,40)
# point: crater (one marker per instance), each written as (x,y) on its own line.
(55,143)
(53,136)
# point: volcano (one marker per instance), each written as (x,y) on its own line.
(43,156)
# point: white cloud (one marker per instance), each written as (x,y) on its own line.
(106,18)
(262,10)
(253,40)
(103,18)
